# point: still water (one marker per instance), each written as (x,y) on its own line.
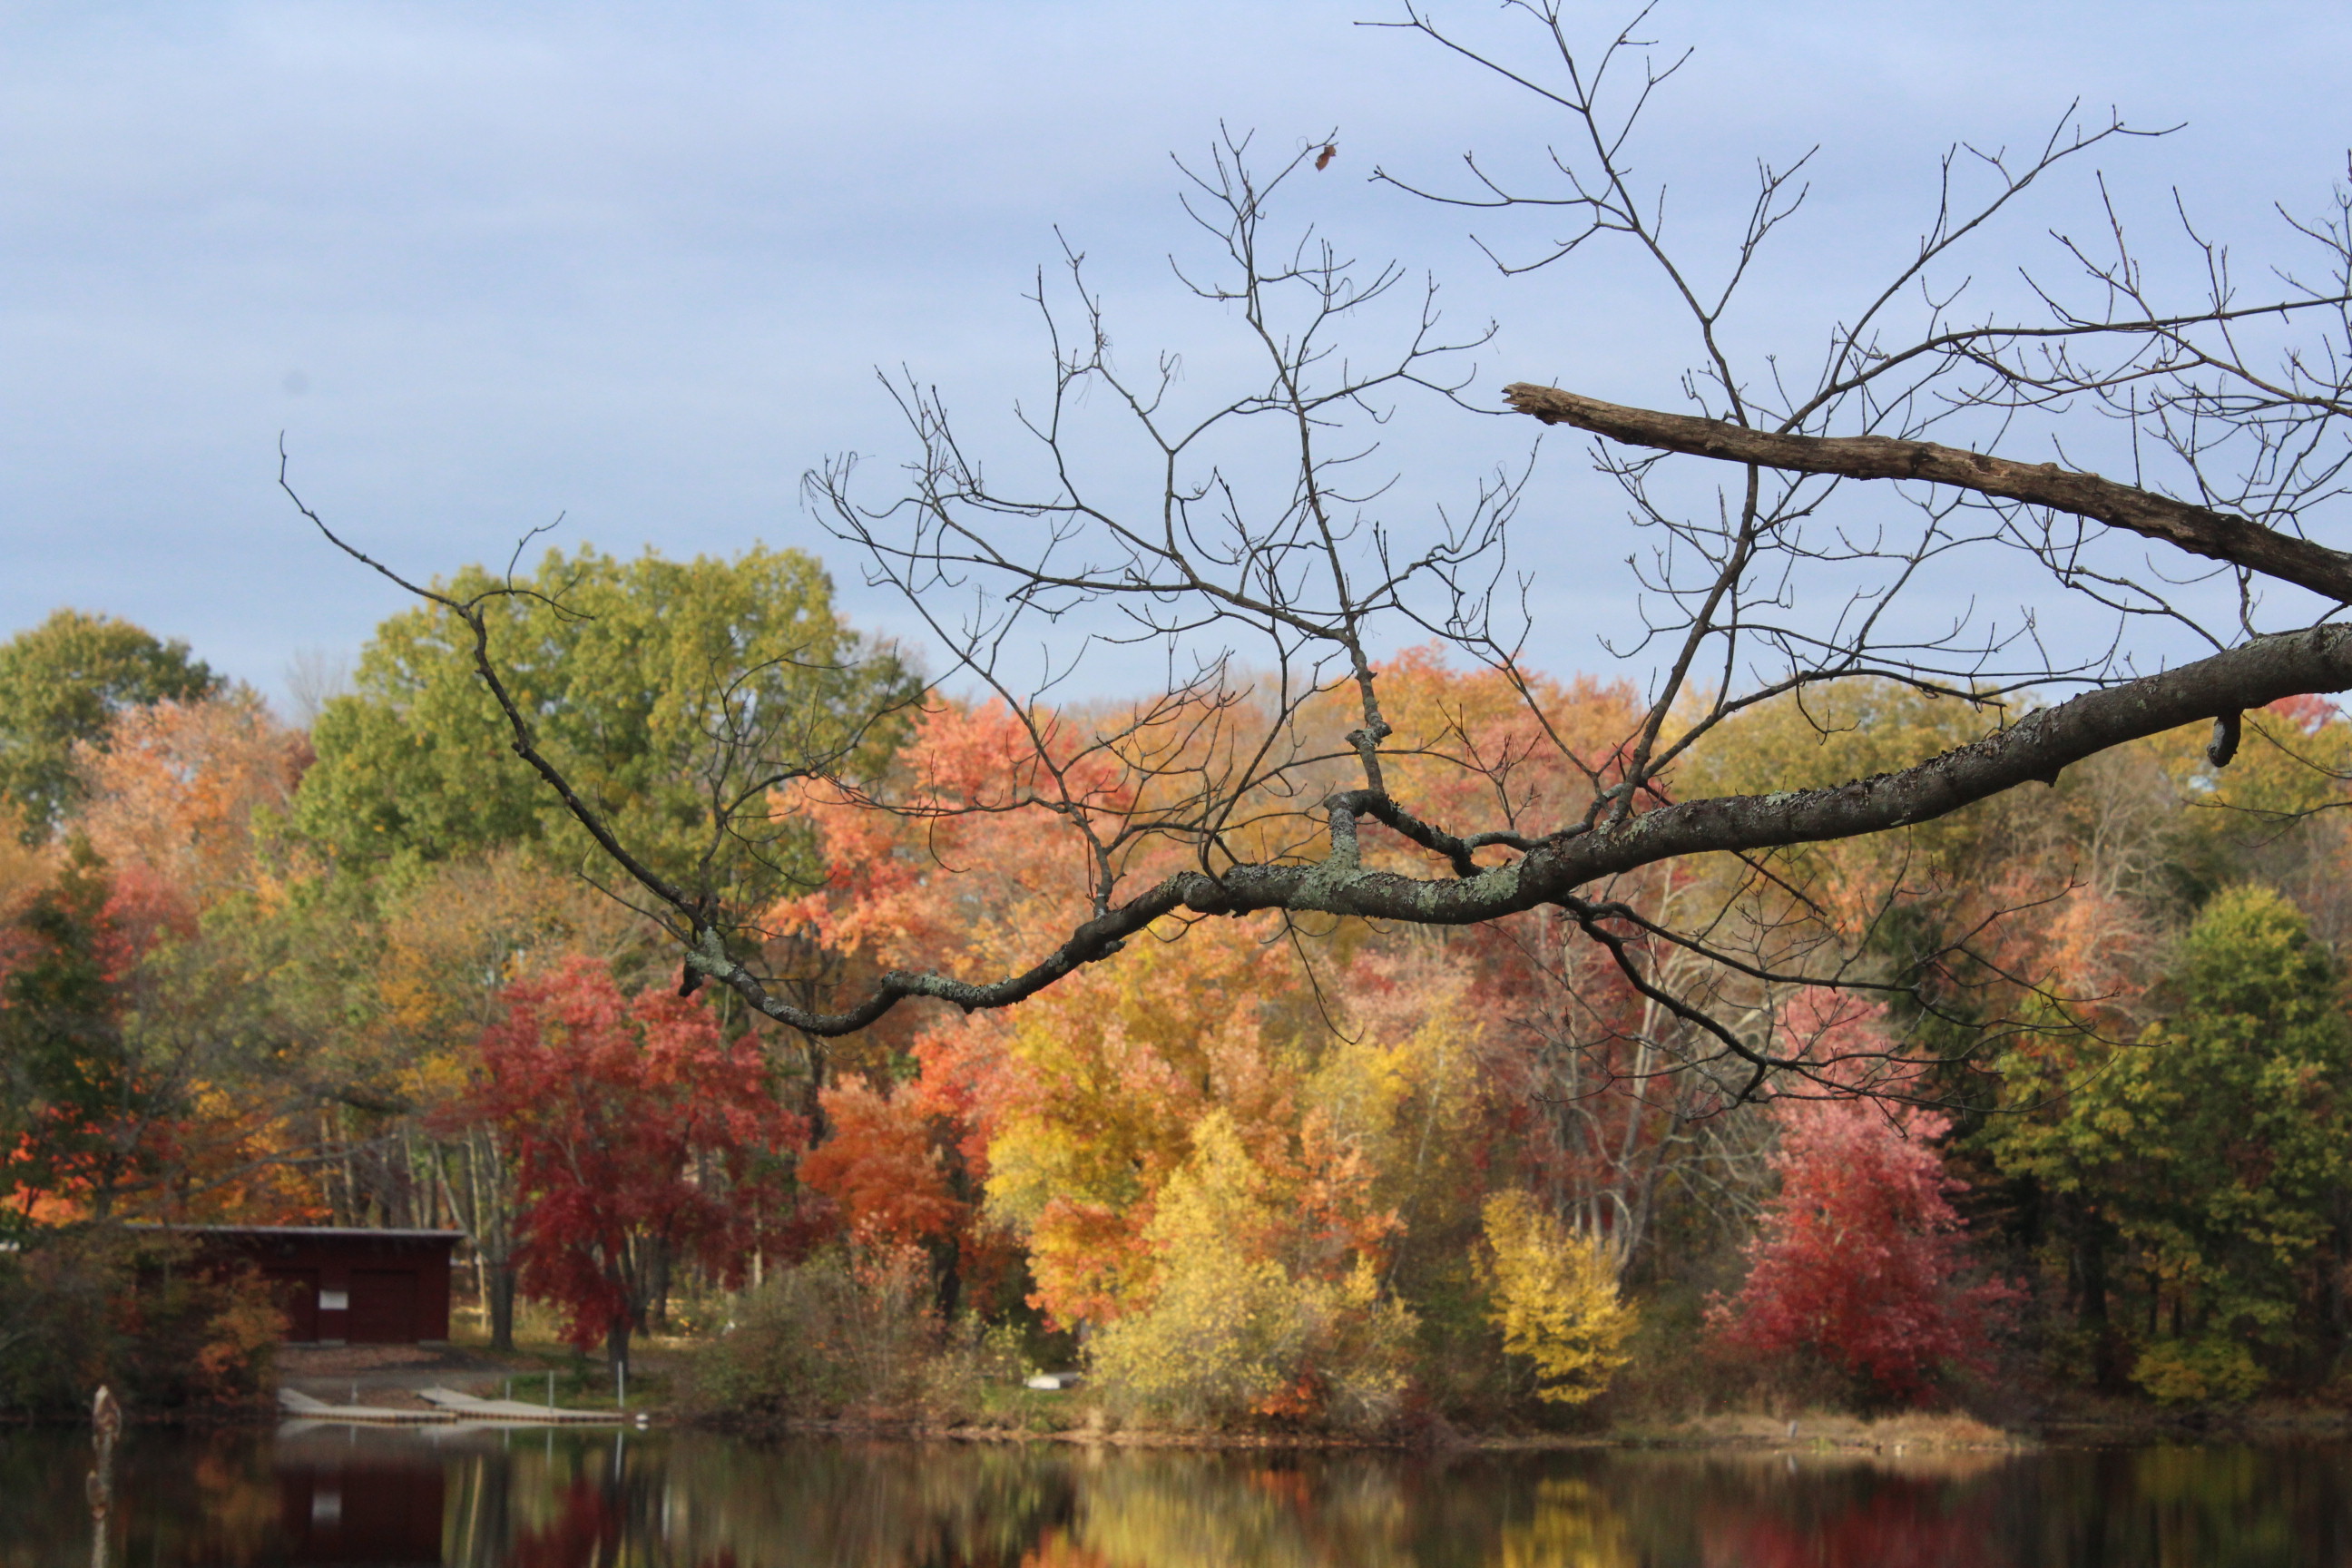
(602,1500)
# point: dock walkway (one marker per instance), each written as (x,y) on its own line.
(297,1404)
(446,1405)
(468,1407)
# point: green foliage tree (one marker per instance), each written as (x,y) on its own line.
(62,682)
(149,1057)
(2207,1160)
(656,685)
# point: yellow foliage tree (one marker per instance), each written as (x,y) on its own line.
(1554,1296)
(1233,1331)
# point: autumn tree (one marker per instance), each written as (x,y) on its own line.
(144,981)
(451,938)
(186,790)
(61,685)
(444,849)
(2202,1164)
(1337,1100)
(1238,1316)
(882,1168)
(1555,1299)
(78,1111)
(1861,1261)
(642,1139)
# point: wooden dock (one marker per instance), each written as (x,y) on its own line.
(504,1411)
(303,1407)
(449,1407)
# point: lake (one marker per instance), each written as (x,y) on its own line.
(606,1499)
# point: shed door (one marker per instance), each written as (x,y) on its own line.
(384,1307)
(297,1290)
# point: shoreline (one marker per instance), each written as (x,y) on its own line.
(1817,1433)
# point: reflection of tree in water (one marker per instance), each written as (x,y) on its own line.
(545,1500)
(1189,1510)
(1572,1527)
(2272,1507)
(1862,1518)
(690,1497)
(1055,1549)
(210,1498)
(240,1494)
(713,1502)
(587,1526)
(2238,1506)
(569,1499)
(48,1465)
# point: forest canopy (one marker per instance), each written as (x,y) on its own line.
(1349,1176)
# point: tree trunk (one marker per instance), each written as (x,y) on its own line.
(2090,1262)
(616,1343)
(501,1303)
(657,1290)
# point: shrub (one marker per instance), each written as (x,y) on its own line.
(848,1333)
(2194,1372)
(91,1306)
(1229,1339)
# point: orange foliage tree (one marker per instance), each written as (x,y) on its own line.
(881,1168)
(1344,1061)
(178,789)
(210,1094)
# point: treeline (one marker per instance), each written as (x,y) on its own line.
(2066,1113)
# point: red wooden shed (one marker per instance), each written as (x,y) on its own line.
(342,1285)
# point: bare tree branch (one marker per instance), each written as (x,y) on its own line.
(2199,530)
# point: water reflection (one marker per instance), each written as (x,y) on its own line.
(575,1499)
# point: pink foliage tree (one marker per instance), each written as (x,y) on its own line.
(1861,1260)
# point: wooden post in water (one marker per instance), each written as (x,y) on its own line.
(106,1422)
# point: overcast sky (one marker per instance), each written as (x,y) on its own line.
(486,262)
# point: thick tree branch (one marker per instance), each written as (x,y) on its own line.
(2217,536)
(2035,750)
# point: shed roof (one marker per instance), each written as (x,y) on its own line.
(354,1232)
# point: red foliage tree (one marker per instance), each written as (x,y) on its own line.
(1861,1259)
(641,1137)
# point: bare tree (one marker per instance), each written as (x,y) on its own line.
(1251,538)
